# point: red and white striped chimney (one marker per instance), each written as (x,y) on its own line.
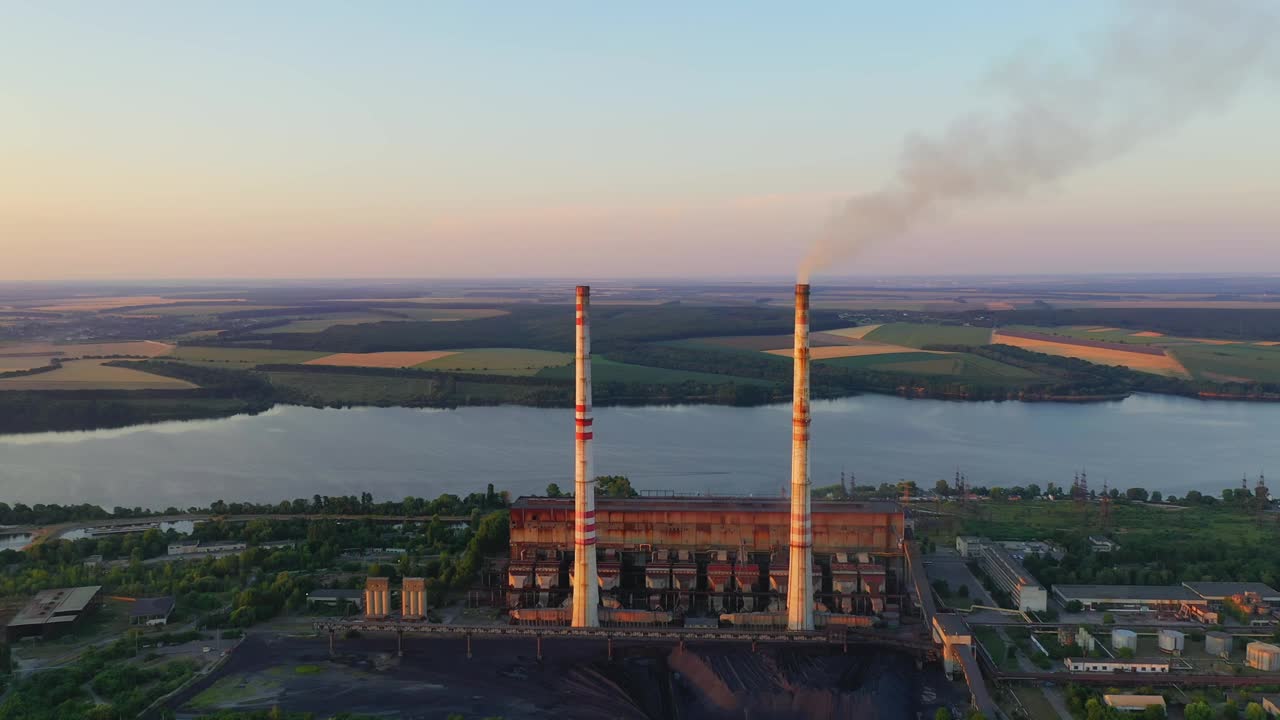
(586,586)
(800,584)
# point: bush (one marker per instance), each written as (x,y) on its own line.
(1108,619)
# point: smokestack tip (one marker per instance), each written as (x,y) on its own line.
(584,290)
(802,288)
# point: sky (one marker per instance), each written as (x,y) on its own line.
(595,140)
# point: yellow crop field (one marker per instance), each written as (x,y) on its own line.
(93,375)
(1148,333)
(23,362)
(380,359)
(1159,364)
(857,333)
(96,304)
(146,348)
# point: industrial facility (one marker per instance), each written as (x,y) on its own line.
(746,561)
(54,611)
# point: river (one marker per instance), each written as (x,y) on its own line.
(1162,443)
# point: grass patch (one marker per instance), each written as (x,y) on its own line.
(918,335)
(500,361)
(308,669)
(234,690)
(961,366)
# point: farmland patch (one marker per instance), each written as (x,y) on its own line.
(93,375)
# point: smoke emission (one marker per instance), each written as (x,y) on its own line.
(1162,63)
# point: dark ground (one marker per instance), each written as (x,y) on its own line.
(575,681)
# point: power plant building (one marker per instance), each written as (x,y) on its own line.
(1010,576)
(655,553)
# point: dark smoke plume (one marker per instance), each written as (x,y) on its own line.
(1162,63)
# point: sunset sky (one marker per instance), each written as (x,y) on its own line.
(339,139)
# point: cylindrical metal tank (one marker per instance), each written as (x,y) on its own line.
(1262,656)
(1217,643)
(1172,642)
(1121,639)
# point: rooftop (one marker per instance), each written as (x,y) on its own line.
(1133,701)
(1219,590)
(1124,592)
(708,502)
(1011,564)
(150,607)
(57,605)
(952,624)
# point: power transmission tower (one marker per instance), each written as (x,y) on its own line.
(1105,509)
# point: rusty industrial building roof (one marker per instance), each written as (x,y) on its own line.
(705,503)
(59,605)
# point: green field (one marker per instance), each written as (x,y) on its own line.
(500,361)
(1221,363)
(444,314)
(241,358)
(1122,336)
(1199,526)
(604,370)
(341,389)
(959,365)
(310,324)
(918,335)
(198,309)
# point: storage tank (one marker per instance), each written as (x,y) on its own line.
(1262,656)
(1217,643)
(1121,639)
(1172,642)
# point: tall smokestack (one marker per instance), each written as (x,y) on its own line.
(586,587)
(800,585)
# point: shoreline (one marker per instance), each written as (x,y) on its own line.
(903,392)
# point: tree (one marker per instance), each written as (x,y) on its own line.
(942,714)
(554,491)
(615,486)
(1156,496)
(1198,710)
(1108,619)
(1154,712)
(1094,710)
(1230,711)
(1254,711)
(943,489)
(1074,606)
(1137,493)
(1033,491)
